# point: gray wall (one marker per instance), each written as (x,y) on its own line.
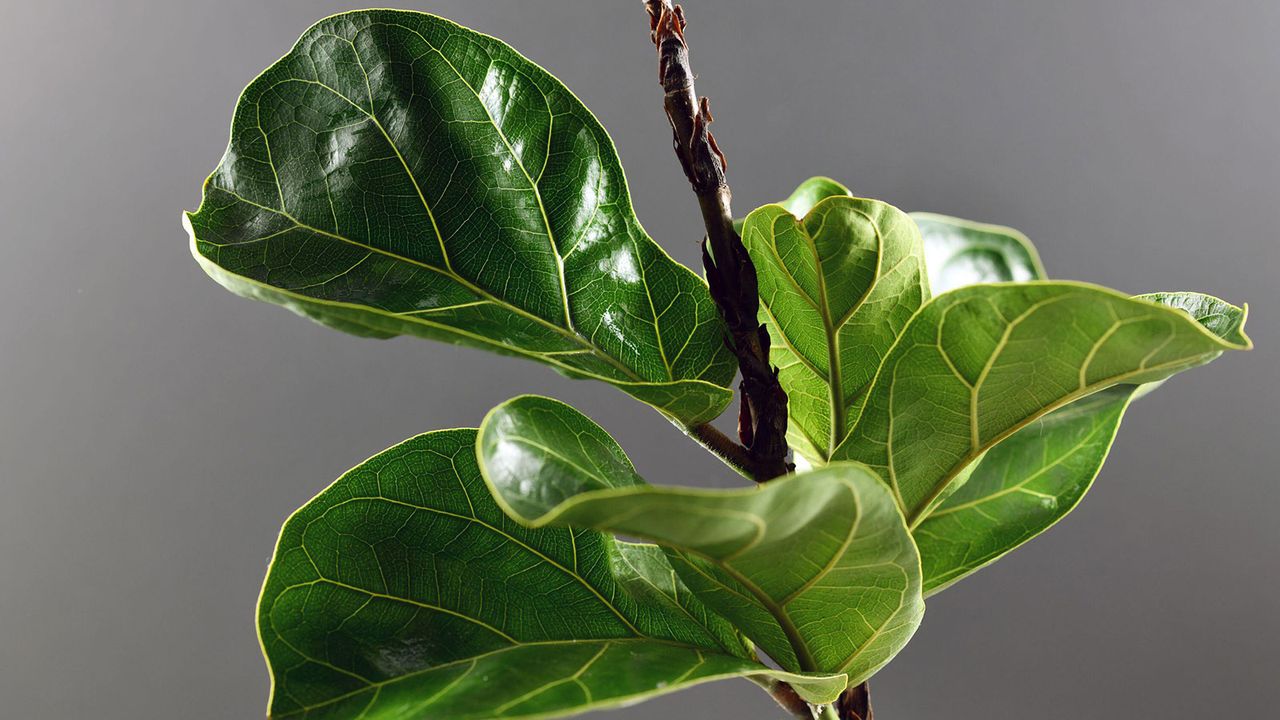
(155,430)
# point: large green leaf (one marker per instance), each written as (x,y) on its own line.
(397,174)
(959,253)
(836,289)
(404,591)
(962,252)
(1035,477)
(977,364)
(1021,487)
(817,568)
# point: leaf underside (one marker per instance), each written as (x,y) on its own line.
(1031,480)
(404,591)
(978,364)
(817,568)
(961,252)
(836,288)
(398,174)
(1020,488)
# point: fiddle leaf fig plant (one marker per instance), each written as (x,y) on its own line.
(398,174)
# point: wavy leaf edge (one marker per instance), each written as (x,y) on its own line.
(841,416)
(912,596)
(1245,343)
(715,396)
(815,688)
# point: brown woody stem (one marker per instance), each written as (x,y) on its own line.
(762,419)
(855,703)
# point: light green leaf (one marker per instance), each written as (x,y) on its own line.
(817,568)
(397,174)
(1020,488)
(1032,479)
(836,289)
(977,364)
(962,252)
(806,195)
(404,591)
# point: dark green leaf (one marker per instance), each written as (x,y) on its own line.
(404,591)
(962,252)
(977,364)
(836,289)
(397,174)
(817,568)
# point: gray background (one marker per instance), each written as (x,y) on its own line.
(155,430)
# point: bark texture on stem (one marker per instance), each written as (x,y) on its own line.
(762,419)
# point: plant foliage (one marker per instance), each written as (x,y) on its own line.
(397,174)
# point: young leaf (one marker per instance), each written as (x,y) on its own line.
(1020,488)
(977,364)
(397,174)
(962,252)
(818,568)
(836,288)
(958,252)
(811,192)
(806,195)
(404,591)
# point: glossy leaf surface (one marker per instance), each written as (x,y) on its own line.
(404,591)
(962,252)
(836,288)
(397,174)
(977,364)
(817,568)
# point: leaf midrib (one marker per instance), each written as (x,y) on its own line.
(919,515)
(674,597)
(1060,458)
(566,332)
(834,375)
(831,327)
(500,532)
(548,358)
(778,608)
(584,343)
